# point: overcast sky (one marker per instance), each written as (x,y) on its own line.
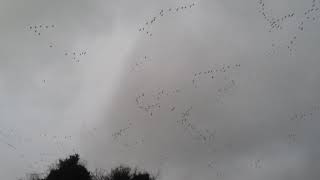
(216,89)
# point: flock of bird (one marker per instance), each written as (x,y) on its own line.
(60,142)
(155,103)
(38,29)
(206,136)
(121,132)
(311,14)
(76,55)
(56,138)
(146,28)
(212,73)
(274,23)
(151,102)
(297,120)
(149,107)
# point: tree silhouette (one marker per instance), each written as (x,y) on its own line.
(120,173)
(71,169)
(142,176)
(123,173)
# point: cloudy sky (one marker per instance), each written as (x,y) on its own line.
(206,89)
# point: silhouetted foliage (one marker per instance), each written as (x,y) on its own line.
(122,173)
(71,169)
(141,176)
(99,174)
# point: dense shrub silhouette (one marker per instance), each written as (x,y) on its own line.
(71,169)
(120,173)
(142,176)
(126,173)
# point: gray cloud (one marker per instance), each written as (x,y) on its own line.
(249,108)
